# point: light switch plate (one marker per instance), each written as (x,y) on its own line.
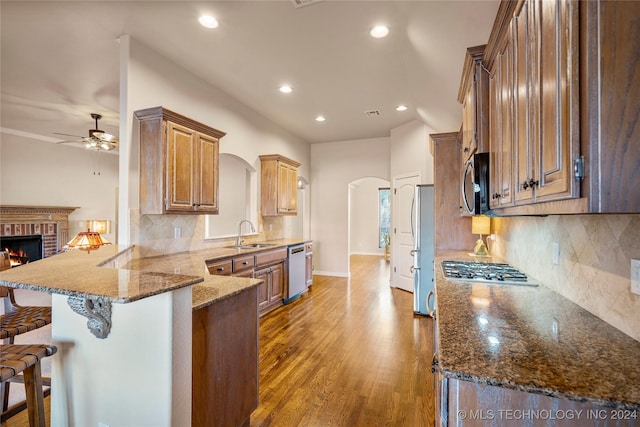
(635,276)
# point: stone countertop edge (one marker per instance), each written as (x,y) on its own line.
(546,344)
(110,273)
(213,288)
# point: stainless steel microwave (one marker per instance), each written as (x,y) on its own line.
(475,184)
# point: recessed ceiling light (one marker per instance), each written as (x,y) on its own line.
(208,21)
(286,89)
(379,31)
(320,119)
(401,108)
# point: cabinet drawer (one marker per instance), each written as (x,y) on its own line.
(243,263)
(220,267)
(268,257)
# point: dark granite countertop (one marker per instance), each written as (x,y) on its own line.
(212,288)
(534,340)
(80,274)
(110,272)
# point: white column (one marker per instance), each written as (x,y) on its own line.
(139,375)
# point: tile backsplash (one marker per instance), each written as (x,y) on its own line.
(154,235)
(595,259)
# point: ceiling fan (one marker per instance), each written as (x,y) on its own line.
(98,140)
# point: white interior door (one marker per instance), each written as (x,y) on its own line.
(402,237)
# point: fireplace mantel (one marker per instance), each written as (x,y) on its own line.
(16,214)
(52,222)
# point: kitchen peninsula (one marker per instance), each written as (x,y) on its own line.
(136,367)
(507,348)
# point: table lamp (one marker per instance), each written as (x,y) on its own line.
(480,225)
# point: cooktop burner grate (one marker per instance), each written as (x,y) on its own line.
(485,272)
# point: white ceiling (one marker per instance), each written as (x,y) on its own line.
(60,60)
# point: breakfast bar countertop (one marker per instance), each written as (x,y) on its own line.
(81,274)
(534,340)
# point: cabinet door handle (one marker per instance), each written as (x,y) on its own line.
(220,268)
(532,183)
(245,263)
(525,185)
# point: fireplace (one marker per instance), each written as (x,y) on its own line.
(22,249)
(42,229)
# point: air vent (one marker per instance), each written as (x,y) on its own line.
(300,3)
(373,113)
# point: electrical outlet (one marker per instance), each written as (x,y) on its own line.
(635,276)
(555,257)
(177,232)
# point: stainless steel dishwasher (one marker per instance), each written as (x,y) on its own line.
(297,277)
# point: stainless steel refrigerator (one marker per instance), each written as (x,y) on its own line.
(423,227)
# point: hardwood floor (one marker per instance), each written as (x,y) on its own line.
(349,352)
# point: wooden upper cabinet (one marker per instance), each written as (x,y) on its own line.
(181,145)
(524,103)
(179,164)
(501,130)
(534,103)
(556,116)
(278,185)
(610,105)
(207,178)
(473,94)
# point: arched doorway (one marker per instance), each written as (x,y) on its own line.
(364,216)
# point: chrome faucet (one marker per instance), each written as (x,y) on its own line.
(253,230)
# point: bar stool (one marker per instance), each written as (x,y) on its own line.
(16,358)
(18,320)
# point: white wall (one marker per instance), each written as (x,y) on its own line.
(364,216)
(410,151)
(153,80)
(40,173)
(335,165)
(238,197)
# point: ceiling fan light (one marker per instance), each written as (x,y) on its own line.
(98,140)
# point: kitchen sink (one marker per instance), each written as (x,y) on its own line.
(253,246)
(257,245)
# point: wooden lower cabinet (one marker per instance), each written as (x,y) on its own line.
(270,266)
(271,291)
(467,404)
(225,361)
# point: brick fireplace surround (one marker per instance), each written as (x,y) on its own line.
(51,222)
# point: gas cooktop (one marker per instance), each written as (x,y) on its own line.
(485,272)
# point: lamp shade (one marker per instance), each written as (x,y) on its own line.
(480,224)
(87,241)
